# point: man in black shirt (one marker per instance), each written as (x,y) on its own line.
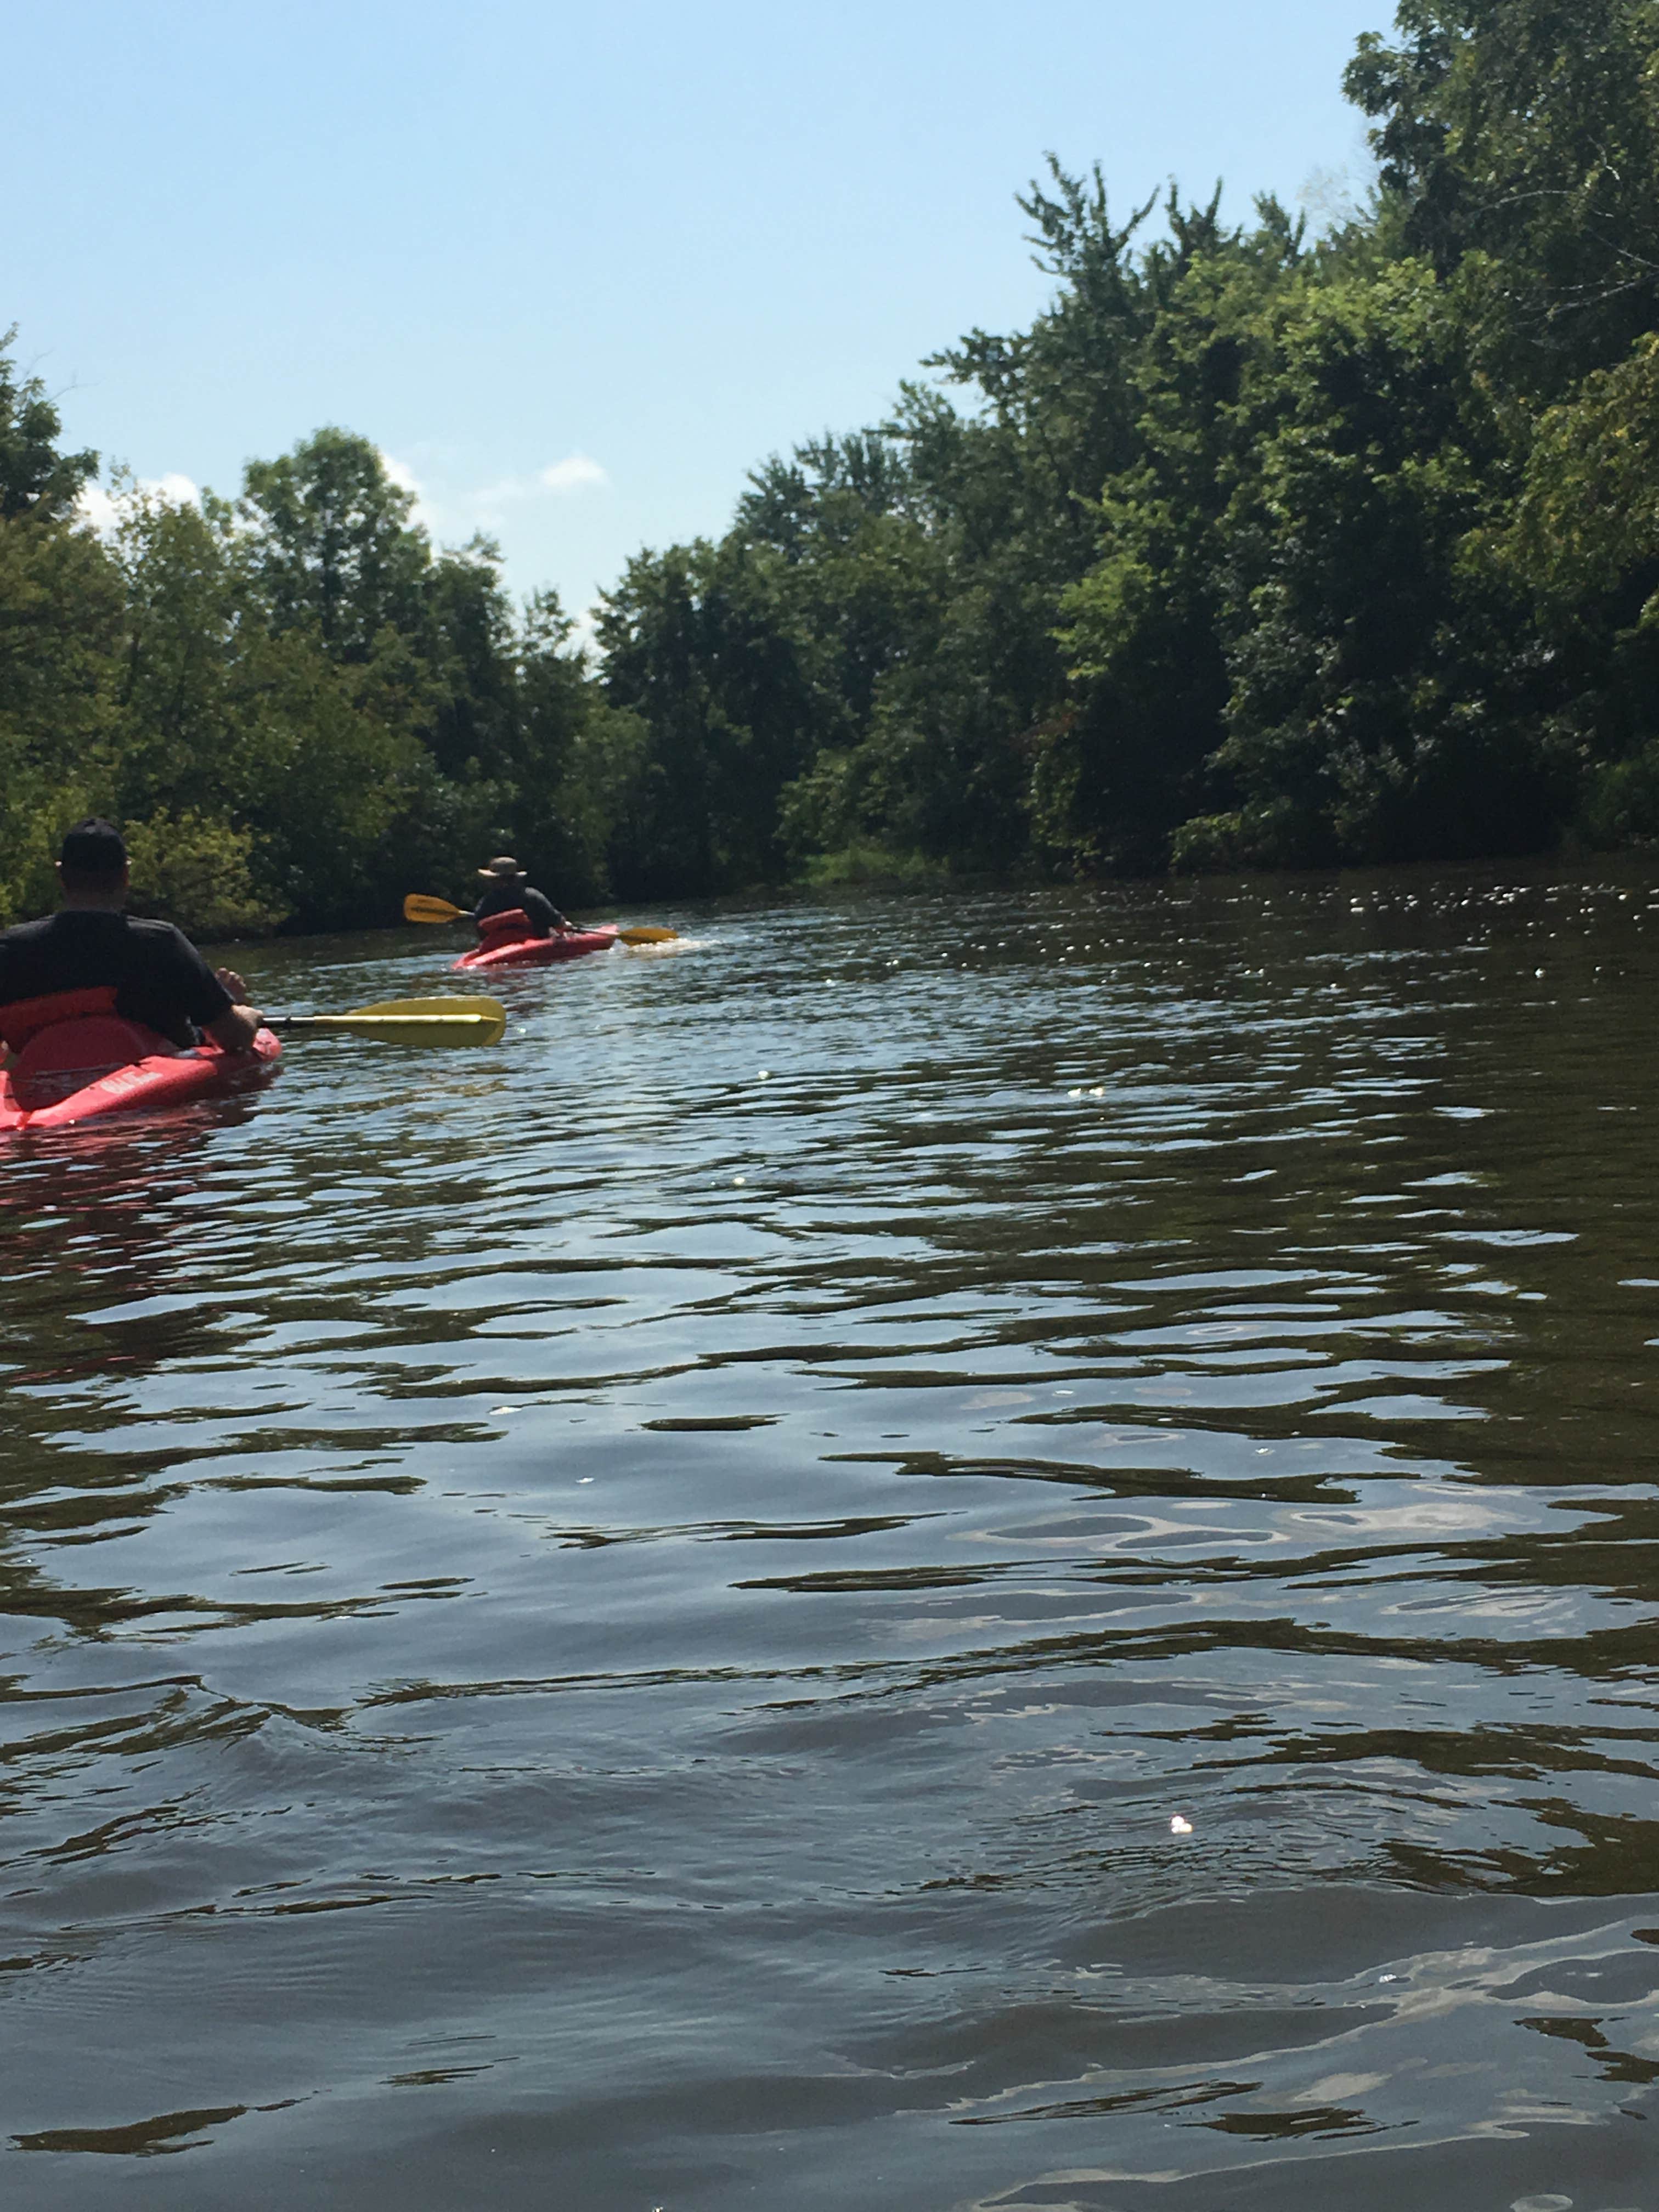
(159,977)
(509,887)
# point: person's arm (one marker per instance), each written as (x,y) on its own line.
(181,995)
(237,1027)
(541,909)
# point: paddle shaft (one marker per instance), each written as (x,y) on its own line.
(292,1024)
(406,1021)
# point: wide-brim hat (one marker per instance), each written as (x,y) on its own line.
(502,864)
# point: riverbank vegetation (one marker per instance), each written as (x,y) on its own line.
(1256,549)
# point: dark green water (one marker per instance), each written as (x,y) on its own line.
(622,1622)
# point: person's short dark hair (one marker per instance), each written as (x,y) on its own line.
(93,851)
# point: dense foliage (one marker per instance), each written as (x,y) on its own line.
(297,708)
(1254,549)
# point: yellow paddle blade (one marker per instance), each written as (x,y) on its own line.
(413,1021)
(473,1021)
(452,1002)
(644,935)
(417,906)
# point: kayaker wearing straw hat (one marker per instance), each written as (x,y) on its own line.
(509,892)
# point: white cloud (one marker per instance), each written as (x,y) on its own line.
(400,472)
(500,495)
(576,472)
(96,507)
(457,512)
(425,513)
(105,510)
(572,474)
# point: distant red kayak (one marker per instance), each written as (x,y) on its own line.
(507,943)
(85,1066)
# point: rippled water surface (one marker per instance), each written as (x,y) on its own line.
(933,1552)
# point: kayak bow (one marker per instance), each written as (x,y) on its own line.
(539,951)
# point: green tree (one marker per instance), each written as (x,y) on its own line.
(702,648)
(335,548)
(1518,142)
(60,604)
(1378,710)
(36,479)
(59,612)
(1145,633)
(1583,540)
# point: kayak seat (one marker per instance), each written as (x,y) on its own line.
(509,928)
(65,1055)
(24,1019)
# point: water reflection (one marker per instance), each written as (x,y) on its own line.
(627,1623)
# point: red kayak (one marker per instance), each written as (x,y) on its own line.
(76,1060)
(508,941)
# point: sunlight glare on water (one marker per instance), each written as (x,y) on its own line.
(957,1551)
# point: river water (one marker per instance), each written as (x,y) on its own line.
(930,1553)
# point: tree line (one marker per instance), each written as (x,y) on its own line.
(1254,548)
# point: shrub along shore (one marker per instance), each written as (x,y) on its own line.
(1256,549)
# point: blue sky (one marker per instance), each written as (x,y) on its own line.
(577,270)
